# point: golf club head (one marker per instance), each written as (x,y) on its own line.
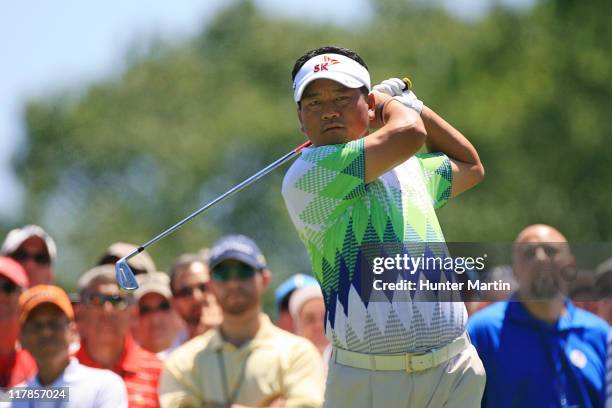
(124,275)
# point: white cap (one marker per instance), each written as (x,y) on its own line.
(301,296)
(156,282)
(140,263)
(336,67)
(18,236)
(102,272)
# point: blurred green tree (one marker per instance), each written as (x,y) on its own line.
(131,155)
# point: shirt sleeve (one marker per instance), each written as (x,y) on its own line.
(438,175)
(324,178)
(303,382)
(176,389)
(113,394)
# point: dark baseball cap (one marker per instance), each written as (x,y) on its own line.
(237,247)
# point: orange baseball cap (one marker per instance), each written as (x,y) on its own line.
(39,294)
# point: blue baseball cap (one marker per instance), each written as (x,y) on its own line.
(296,281)
(237,247)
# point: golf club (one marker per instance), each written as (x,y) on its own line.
(125,276)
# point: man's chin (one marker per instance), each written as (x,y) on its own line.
(334,136)
(545,294)
(236,309)
(193,320)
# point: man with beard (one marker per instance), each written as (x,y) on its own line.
(246,361)
(191,296)
(538,349)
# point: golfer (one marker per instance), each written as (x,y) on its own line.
(354,188)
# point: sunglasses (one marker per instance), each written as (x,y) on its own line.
(54,325)
(551,250)
(8,287)
(187,291)
(118,302)
(162,307)
(41,258)
(226,272)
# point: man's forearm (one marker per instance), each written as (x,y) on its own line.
(442,137)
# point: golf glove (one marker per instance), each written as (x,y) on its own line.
(395,88)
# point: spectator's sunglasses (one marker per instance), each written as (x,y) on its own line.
(55,325)
(8,287)
(162,307)
(41,258)
(187,291)
(226,272)
(118,302)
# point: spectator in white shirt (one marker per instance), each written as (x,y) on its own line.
(47,320)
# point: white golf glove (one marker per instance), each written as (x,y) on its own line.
(395,88)
(391,86)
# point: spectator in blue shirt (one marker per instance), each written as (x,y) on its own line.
(538,349)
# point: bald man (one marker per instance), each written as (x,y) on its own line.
(538,349)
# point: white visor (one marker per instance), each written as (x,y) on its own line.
(336,67)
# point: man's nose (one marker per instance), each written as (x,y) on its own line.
(540,254)
(329,113)
(198,294)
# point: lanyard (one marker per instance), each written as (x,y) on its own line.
(229,399)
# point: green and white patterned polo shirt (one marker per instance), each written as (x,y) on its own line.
(336,215)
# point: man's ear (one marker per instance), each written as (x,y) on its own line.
(22,340)
(73,332)
(371,107)
(266,277)
(569,271)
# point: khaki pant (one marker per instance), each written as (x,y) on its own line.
(456,383)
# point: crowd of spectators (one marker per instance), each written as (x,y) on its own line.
(198,335)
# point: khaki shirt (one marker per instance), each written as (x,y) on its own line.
(276,364)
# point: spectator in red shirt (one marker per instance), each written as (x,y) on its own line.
(158,324)
(104,316)
(16,364)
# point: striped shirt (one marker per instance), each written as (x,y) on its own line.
(140,369)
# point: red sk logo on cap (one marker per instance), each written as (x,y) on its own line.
(326,61)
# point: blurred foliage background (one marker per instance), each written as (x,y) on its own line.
(129,156)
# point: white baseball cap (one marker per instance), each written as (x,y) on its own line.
(156,282)
(301,296)
(336,67)
(143,263)
(18,236)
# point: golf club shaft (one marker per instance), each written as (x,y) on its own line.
(223,196)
